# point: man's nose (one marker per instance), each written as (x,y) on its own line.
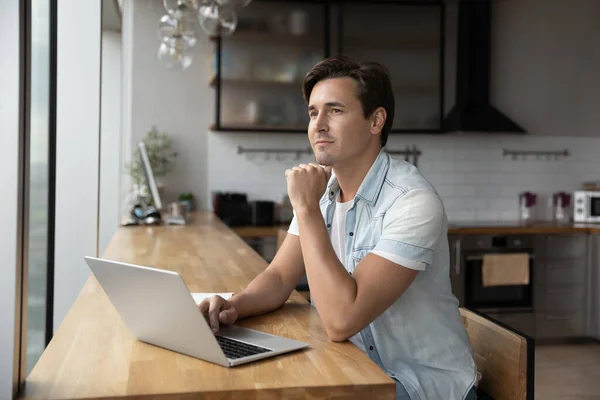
(321,124)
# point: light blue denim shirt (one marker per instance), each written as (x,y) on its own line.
(420,339)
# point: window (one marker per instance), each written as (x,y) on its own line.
(39,186)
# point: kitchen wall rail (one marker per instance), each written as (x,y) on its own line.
(297,152)
(408,152)
(537,153)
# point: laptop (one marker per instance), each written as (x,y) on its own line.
(158,308)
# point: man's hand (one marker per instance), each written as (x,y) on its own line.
(306,184)
(218,310)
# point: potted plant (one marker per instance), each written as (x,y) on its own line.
(187,199)
(162,159)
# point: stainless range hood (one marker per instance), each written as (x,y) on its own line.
(472,110)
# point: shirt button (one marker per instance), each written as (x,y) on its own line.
(371,348)
(331,193)
(351,233)
(329,225)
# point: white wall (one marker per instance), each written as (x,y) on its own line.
(77,148)
(469,171)
(110,138)
(9,182)
(179,103)
(127,16)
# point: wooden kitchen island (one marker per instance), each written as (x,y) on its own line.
(93,355)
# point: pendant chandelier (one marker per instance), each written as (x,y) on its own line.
(177,29)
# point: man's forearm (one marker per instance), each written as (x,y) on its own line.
(332,289)
(264,294)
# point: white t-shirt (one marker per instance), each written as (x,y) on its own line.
(338,229)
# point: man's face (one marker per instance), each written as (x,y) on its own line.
(338,130)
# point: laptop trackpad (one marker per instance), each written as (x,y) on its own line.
(251,336)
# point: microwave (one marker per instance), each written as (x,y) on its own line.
(586,206)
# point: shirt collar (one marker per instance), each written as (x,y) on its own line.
(372,183)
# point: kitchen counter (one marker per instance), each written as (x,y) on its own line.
(93,355)
(458,228)
(518,228)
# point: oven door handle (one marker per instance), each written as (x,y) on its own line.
(457,257)
(480,258)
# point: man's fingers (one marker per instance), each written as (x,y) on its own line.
(228,316)
(326,169)
(204,306)
(213,313)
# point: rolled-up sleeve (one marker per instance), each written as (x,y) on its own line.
(293,229)
(412,226)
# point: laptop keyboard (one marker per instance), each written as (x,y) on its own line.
(234,349)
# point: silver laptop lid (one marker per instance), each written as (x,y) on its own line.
(158,308)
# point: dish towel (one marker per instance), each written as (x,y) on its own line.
(505,269)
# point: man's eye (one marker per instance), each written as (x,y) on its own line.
(313,114)
(336,110)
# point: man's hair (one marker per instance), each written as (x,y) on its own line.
(374,85)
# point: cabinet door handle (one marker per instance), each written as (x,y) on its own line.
(558,317)
(558,291)
(480,258)
(457,257)
(573,292)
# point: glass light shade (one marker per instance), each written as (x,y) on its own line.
(228,22)
(208,17)
(181,9)
(174,58)
(218,20)
(171,30)
(167,27)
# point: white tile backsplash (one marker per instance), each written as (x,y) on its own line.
(469,171)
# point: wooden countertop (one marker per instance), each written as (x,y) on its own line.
(93,355)
(518,228)
(462,228)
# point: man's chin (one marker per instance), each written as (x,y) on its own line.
(325,162)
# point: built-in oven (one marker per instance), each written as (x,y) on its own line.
(472,292)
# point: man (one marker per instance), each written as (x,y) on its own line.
(371,235)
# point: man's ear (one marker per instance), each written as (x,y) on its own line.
(378,120)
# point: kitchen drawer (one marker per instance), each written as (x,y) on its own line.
(565,299)
(565,272)
(560,324)
(566,246)
(522,322)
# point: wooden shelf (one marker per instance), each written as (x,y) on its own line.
(398,44)
(253,82)
(268,38)
(401,88)
(260,128)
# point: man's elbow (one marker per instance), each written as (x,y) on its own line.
(340,331)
